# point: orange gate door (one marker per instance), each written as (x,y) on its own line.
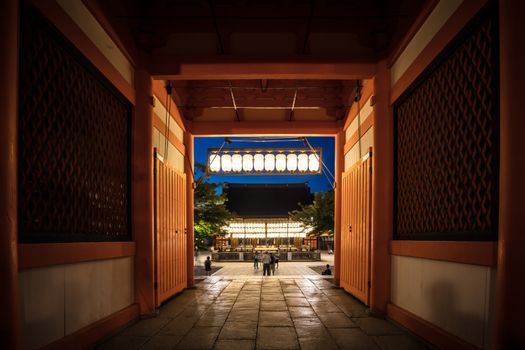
(356,228)
(169,230)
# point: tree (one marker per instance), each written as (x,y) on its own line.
(210,212)
(319,215)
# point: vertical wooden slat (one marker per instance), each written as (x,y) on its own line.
(164,226)
(170,231)
(156,223)
(177,261)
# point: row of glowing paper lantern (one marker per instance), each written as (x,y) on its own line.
(264,162)
(275,235)
(253,227)
(272,223)
(262,230)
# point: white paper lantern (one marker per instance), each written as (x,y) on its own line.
(280,162)
(258,162)
(237,163)
(313,163)
(247,162)
(302,162)
(215,162)
(226,163)
(291,162)
(269,162)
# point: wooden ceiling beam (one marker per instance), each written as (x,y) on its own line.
(172,67)
(270,128)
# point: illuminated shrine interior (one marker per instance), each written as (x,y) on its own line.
(266,234)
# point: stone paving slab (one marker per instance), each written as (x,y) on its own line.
(239,330)
(236,312)
(234,345)
(199,338)
(162,342)
(301,312)
(278,338)
(275,319)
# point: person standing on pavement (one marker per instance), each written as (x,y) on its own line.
(255,261)
(207,266)
(266,260)
(277,260)
(272,263)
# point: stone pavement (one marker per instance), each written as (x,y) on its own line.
(255,312)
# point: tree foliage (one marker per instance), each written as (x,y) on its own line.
(210,213)
(319,215)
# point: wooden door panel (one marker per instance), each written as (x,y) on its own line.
(355,229)
(169,231)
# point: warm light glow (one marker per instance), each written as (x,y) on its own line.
(237,163)
(258,162)
(313,163)
(226,163)
(302,162)
(263,161)
(266,228)
(269,162)
(280,162)
(247,162)
(215,162)
(291,162)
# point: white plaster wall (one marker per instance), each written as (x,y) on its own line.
(435,21)
(59,300)
(175,158)
(366,110)
(161,112)
(455,297)
(353,155)
(90,26)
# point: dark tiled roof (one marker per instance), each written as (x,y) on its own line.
(269,201)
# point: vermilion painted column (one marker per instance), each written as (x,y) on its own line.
(510,291)
(142,189)
(382,191)
(339,168)
(188,141)
(9,320)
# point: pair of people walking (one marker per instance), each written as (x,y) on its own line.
(269,261)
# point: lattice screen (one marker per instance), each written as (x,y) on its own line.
(74,144)
(447,143)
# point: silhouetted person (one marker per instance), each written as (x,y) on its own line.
(207,266)
(327,272)
(272,263)
(266,260)
(255,261)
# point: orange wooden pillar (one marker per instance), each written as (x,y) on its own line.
(339,168)
(510,291)
(9,321)
(188,140)
(382,191)
(142,192)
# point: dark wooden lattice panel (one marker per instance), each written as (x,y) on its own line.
(74,144)
(447,143)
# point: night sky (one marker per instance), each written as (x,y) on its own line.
(316,182)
